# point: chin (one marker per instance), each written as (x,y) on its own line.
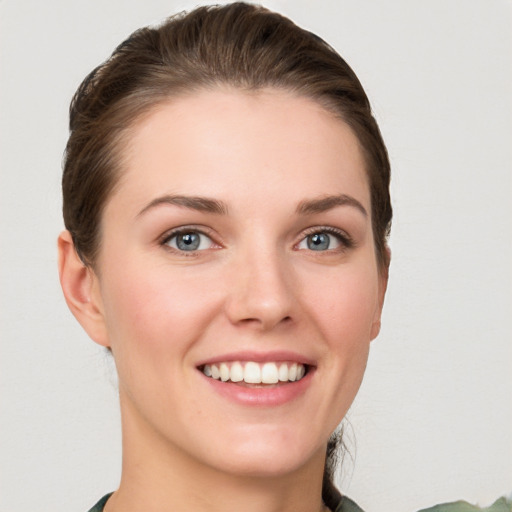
(266,458)
(263,467)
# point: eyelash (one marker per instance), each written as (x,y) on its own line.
(343,238)
(169,235)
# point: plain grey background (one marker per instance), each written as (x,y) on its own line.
(433,420)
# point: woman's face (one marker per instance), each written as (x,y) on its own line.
(239,243)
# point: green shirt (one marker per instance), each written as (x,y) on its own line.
(347,505)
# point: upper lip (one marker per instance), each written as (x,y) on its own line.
(259,357)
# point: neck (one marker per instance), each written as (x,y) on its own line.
(158,477)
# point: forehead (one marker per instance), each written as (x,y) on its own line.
(217,142)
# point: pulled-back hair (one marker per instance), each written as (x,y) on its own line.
(238,45)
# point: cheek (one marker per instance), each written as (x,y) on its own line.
(155,310)
(343,306)
(339,305)
(344,303)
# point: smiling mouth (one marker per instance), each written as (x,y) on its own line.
(251,372)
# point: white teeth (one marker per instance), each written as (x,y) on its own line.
(252,373)
(292,372)
(237,373)
(283,373)
(269,373)
(255,373)
(224,372)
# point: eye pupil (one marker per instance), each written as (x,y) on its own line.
(318,242)
(188,241)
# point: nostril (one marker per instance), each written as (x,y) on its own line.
(285,320)
(261,307)
(263,321)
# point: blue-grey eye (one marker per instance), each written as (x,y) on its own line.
(189,241)
(320,241)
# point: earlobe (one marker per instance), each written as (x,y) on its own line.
(383,284)
(80,287)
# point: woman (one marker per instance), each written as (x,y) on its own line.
(227,208)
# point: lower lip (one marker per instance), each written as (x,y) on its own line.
(265,396)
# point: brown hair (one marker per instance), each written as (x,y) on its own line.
(240,45)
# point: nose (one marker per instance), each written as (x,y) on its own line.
(262,291)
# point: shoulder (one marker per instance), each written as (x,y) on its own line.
(500,505)
(99,506)
(347,505)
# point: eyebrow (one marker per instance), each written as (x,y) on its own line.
(201,204)
(322,204)
(205,204)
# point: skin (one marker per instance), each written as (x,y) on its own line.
(255,285)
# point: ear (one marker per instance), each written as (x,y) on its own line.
(81,290)
(383,285)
